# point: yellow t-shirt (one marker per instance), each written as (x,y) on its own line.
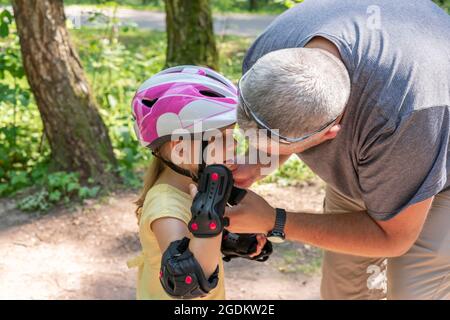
(162,201)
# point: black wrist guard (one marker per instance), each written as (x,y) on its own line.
(242,246)
(182,276)
(214,192)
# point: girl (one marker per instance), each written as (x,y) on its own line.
(177,98)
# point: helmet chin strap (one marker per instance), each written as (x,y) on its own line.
(202,164)
(182,171)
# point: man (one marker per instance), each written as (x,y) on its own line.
(360,91)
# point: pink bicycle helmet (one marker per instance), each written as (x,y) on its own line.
(179,98)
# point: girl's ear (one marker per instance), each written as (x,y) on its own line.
(332,132)
(173,144)
(179,152)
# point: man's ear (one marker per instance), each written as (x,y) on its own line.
(332,132)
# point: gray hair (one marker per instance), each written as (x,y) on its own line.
(295,90)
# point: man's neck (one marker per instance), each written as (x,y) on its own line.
(324,44)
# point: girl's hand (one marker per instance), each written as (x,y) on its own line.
(261,243)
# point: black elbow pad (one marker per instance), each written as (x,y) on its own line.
(182,276)
(208,207)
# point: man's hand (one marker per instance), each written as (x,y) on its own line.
(252,215)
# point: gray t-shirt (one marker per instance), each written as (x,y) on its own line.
(392,150)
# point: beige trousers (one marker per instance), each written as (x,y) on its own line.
(422,273)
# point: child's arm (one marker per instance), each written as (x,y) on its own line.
(206,250)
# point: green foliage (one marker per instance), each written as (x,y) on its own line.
(55,188)
(292,172)
(445,4)
(117,60)
(139,4)
(24,153)
(259,6)
(5,21)
(20,125)
(289,3)
(232,51)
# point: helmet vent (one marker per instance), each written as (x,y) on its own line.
(149,103)
(211,94)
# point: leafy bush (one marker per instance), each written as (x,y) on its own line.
(293,172)
(56,188)
(24,152)
(21,146)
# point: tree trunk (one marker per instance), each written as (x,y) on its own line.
(253,5)
(78,137)
(190,34)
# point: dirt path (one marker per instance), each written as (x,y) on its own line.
(81,253)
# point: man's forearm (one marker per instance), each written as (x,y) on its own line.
(350,233)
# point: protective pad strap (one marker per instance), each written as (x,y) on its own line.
(182,276)
(237,194)
(241,245)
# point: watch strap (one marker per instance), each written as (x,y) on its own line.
(280,220)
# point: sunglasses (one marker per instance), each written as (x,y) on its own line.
(262,125)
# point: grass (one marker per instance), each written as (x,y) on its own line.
(299,258)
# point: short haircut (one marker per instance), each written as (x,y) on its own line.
(295,90)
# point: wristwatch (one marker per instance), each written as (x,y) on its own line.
(277,234)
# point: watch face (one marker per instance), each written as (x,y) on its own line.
(276,238)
